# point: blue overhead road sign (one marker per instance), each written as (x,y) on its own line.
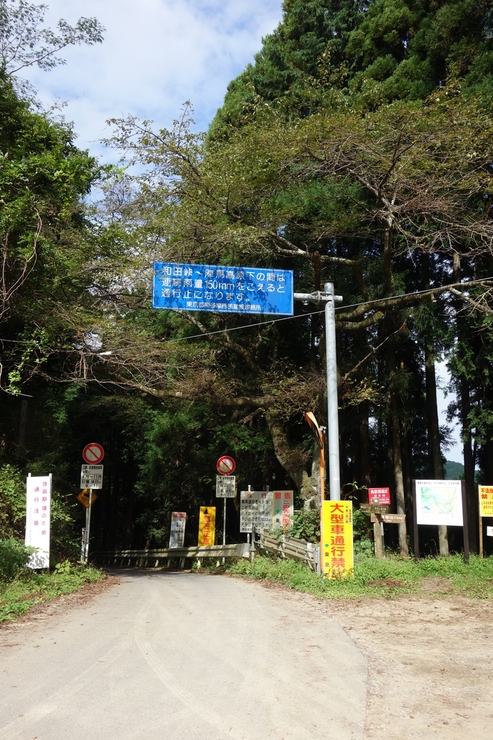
(249,290)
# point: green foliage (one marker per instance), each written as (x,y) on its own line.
(391,577)
(24,41)
(306,525)
(12,502)
(13,558)
(323,53)
(31,588)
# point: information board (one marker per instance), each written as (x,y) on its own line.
(249,290)
(439,502)
(255,510)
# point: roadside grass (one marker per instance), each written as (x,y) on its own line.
(439,577)
(30,588)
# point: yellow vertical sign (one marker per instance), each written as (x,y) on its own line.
(207,526)
(337,539)
(485,500)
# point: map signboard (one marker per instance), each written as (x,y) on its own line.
(249,290)
(439,502)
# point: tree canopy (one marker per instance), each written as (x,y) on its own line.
(355,150)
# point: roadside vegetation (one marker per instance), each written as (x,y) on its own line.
(22,588)
(439,577)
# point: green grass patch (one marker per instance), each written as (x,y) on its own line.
(439,577)
(30,588)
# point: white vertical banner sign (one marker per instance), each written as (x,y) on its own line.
(38,515)
(177,532)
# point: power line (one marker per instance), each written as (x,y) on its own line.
(443,289)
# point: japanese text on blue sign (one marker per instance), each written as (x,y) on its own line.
(219,288)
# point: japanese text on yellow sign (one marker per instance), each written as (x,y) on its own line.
(337,539)
(485,500)
(207,526)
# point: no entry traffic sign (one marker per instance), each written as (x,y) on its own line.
(225,465)
(93,453)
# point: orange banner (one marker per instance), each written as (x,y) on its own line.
(207,526)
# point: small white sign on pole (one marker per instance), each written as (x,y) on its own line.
(91,476)
(489,531)
(38,517)
(225,486)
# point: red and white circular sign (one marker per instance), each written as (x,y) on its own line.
(225,465)
(93,453)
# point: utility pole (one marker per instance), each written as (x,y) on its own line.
(328,297)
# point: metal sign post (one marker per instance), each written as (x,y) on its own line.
(331,364)
(88,527)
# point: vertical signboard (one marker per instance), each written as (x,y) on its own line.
(283,508)
(337,539)
(485,500)
(485,509)
(38,512)
(207,526)
(177,531)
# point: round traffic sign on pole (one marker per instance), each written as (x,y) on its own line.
(93,453)
(225,465)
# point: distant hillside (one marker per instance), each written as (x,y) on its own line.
(454,470)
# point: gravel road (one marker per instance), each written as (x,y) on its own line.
(182,656)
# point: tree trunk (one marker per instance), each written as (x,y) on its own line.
(364,461)
(432,413)
(400,495)
(291,459)
(465,408)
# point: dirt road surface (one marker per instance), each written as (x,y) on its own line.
(181,656)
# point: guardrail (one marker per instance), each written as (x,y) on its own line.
(155,558)
(291,547)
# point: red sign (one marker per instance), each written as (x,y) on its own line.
(93,453)
(379,496)
(225,465)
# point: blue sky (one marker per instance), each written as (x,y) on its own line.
(156,55)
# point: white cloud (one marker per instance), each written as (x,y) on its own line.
(156,55)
